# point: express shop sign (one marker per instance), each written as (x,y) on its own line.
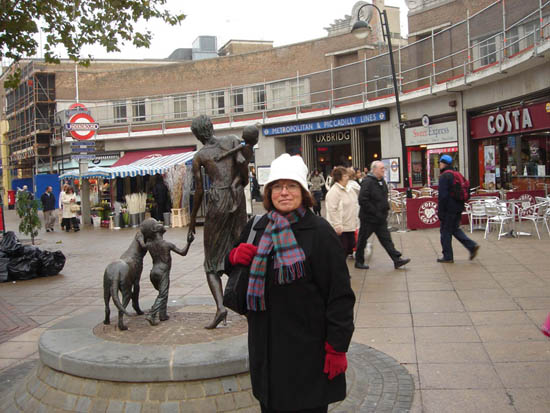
(515,120)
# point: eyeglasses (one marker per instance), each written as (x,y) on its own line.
(278,188)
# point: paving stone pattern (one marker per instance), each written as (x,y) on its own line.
(182,328)
(13,322)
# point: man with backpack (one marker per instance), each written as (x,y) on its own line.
(454,190)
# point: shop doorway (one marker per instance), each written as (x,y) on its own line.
(371,144)
(327,157)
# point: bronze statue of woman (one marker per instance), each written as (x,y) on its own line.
(225,209)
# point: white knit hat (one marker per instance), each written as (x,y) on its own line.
(288,167)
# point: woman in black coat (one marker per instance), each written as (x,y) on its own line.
(300,302)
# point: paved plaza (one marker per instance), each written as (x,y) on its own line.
(467,332)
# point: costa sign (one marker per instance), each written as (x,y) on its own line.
(81,126)
(515,120)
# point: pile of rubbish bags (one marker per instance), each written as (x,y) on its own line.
(24,262)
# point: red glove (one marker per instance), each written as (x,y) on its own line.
(335,362)
(242,254)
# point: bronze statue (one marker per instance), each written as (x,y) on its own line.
(162,263)
(124,274)
(226,208)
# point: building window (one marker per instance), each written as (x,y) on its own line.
(531,32)
(258,94)
(298,92)
(218,102)
(119,112)
(199,104)
(157,109)
(238,100)
(487,51)
(138,110)
(279,95)
(512,41)
(180,107)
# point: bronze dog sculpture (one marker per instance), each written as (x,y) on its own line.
(124,275)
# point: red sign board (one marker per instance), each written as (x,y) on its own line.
(511,121)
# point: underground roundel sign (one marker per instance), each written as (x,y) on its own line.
(82,126)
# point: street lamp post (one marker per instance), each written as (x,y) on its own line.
(361,30)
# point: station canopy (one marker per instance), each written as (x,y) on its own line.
(132,164)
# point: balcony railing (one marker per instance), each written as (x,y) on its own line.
(492,37)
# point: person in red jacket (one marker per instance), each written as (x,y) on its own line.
(300,302)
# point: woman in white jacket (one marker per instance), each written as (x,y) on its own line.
(342,208)
(69,217)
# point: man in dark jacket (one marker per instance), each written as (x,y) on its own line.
(450,213)
(161,194)
(48,207)
(373,214)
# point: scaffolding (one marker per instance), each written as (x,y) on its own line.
(30,110)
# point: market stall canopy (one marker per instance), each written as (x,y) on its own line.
(148,165)
(132,157)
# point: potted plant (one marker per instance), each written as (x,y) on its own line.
(27,209)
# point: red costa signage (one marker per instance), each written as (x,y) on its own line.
(511,121)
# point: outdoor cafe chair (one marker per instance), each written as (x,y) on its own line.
(397,209)
(537,213)
(426,192)
(476,214)
(496,215)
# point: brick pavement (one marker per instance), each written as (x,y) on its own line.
(13,322)
(468,332)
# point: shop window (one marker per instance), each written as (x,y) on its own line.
(180,107)
(218,102)
(119,112)
(138,110)
(237,100)
(258,96)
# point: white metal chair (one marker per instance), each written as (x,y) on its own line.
(496,215)
(537,213)
(477,214)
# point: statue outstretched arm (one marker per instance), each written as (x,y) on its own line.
(197,199)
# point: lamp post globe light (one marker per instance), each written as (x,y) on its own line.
(361,30)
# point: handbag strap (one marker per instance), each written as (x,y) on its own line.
(252,233)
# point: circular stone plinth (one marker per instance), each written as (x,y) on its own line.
(72,347)
(182,328)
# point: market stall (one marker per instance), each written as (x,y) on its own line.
(127,195)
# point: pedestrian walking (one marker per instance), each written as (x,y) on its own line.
(449,211)
(373,216)
(342,208)
(48,208)
(70,208)
(316,182)
(300,302)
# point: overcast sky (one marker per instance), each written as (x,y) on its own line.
(282,21)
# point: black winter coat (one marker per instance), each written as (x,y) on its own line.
(286,342)
(373,200)
(48,202)
(447,205)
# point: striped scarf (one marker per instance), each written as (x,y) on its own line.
(289,257)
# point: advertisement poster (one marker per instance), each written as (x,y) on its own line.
(262,174)
(391,175)
(490,161)
(490,180)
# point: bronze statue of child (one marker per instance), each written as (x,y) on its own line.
(243,156)
(162,262)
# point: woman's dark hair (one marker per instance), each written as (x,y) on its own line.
(307,200)
(338,172)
